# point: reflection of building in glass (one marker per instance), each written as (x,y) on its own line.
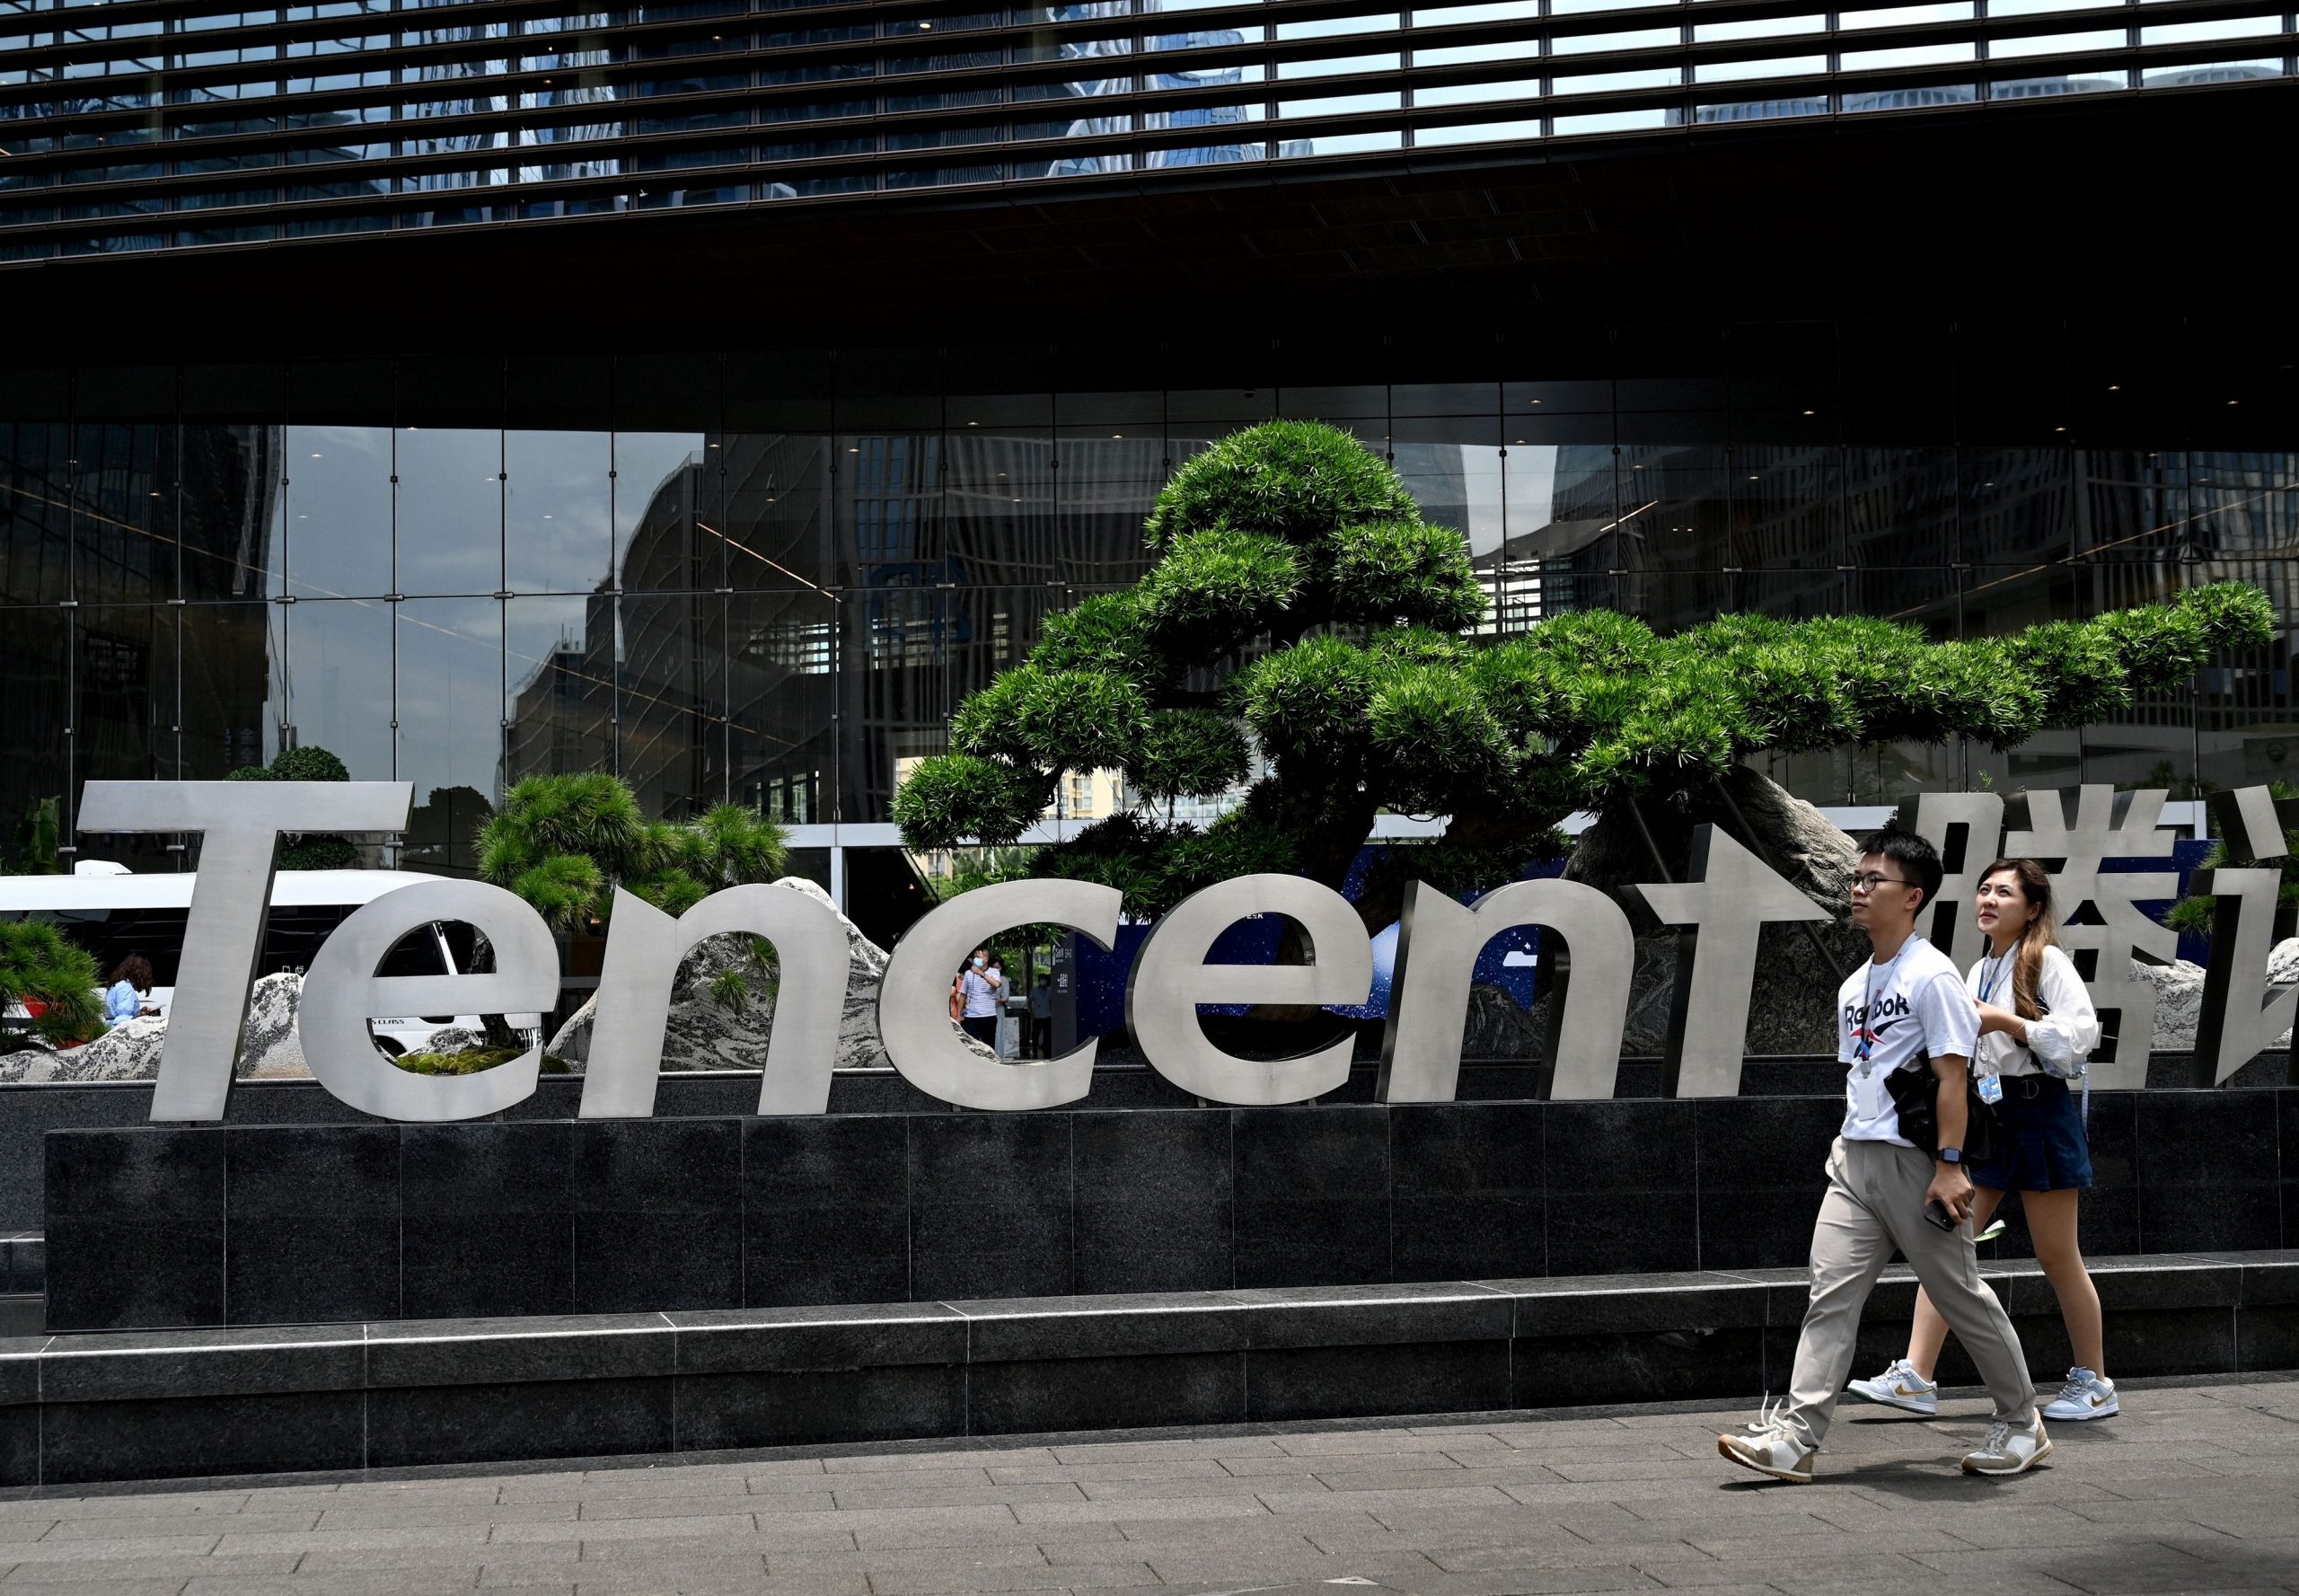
(123,549)
(1118,53)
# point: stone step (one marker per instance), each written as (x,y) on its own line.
(337,1398)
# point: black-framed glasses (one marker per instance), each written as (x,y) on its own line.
(1872,881)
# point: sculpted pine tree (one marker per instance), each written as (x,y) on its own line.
(1301,607)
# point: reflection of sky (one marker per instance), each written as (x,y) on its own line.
(456,535)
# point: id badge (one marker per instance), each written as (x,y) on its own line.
(1991,1088)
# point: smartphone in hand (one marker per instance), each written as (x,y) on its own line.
(1936,1212)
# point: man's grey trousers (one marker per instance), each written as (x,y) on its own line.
(1875,1203)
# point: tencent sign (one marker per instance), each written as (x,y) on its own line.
(1587,954)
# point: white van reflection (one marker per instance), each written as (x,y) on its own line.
(112,912)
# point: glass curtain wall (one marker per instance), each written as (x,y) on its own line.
(770,579)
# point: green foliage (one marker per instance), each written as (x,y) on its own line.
(474,1062)
(309,763)
(1294,480)
(1187,753)
(1105,632)
(38,964)
(2195,915)
(952,798)
(563,844)
(730,989)
(1403,573)
(1301,607)
(1216,588)
(39,841)
(306,851)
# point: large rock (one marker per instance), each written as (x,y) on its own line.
(2179,995)
(270,1048)
(1791,1003)
(705,1033)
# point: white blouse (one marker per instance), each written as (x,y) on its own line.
(2068,1030)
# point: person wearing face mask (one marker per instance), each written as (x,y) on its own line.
(979,987)
(2037,1026)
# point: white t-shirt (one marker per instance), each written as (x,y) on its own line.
(2068,1030)
(1921,1012)
(981,994)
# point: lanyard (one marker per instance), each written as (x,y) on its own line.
(1864,1043)
(1991,972)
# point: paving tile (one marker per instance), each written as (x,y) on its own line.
(953,1580)
(26,1552)
(104,1572)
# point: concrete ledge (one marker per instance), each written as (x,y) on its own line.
(130,1405)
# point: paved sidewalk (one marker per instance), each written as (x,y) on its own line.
(2195,1488)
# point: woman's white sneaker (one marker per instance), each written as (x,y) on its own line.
(1901,1386)
(2009,1449)
(2086,1396)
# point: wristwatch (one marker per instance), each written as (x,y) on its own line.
(1952,1155)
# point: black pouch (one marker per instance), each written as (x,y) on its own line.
(1915,1095)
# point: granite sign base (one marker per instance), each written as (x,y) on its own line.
(227,1226)
(332,1401)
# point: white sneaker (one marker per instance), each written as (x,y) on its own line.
(1769,1446)
(2086,1396)
(1900,1386)
(2010,1450)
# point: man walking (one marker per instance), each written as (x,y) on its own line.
(1906,1008)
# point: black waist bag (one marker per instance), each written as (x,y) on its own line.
(1915,1095)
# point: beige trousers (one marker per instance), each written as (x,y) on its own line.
(1875,1202)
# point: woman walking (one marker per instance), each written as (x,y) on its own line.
(2037,1025)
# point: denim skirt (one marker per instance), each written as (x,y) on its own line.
(2039,1144)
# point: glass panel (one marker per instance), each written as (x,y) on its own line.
(1108,480)
(1599,82)
(1585,44)
(337,666)
(338,504)
(233,674)
(35,513)
(1332,66)
(1528,88)
(1499,11)
(781,695)
(1902,16)
(448,522)
(1725,72)
(558,511)
(124,722)
(1757,27)
(890,505)
(1453,55)
(35,763)
(451,672)
(666,492)
(559,670)
(673,735)
(123,504)
(890,663)
(1334,105)
(2220,28)
(225,511)
(2056,44)
(2216,72)
(1908,54)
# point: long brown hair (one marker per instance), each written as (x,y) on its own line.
(2043,930)
(136,970)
